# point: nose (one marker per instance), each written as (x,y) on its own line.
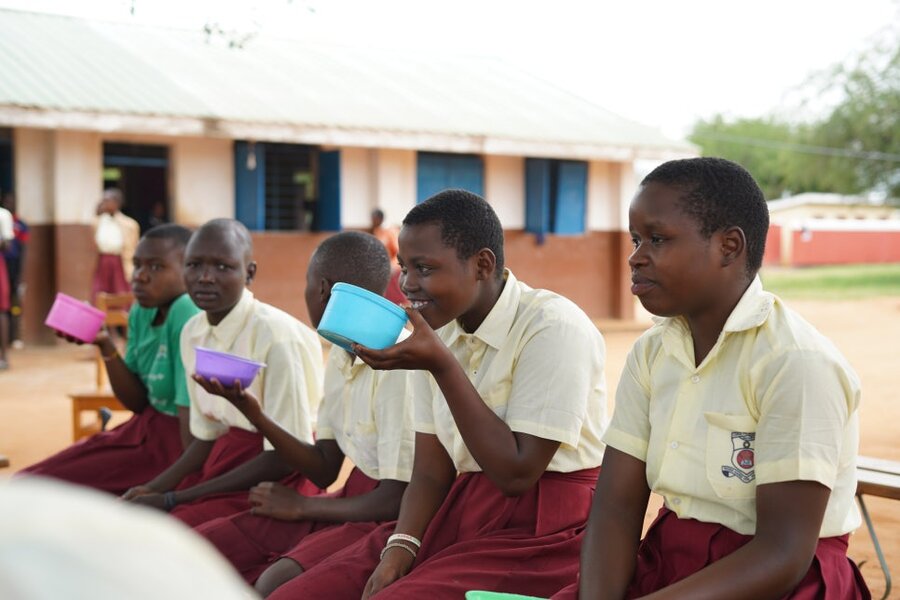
(139,274)
(408,283)
(206,274)
(637,257)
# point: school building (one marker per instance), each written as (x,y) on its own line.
(298,140)
(831,229)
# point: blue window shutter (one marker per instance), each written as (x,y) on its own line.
(329,205)
(537,195)
(571,193)
(432,175)
(467,173)
(249,185)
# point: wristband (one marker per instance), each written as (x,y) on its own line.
(390,545)
(405,538)
(169,501)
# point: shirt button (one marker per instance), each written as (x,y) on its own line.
(695,378)
(676,501)
(673,445)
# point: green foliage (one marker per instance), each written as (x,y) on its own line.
(853,148)
(839,282)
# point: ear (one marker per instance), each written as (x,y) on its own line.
(485,264)
(251,271)
(325,286)
(733,245)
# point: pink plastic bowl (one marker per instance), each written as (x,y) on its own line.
(226,367)
(75,318)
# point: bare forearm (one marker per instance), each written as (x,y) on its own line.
(381,504)
(126,385)
(491,442)
(765,570)
(299,455)
(266,466)
(608,552)
(190,461)
(421,501)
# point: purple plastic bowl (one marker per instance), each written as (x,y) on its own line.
(226,367)
(73,317)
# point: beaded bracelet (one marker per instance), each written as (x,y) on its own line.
(390,545)
(405,538)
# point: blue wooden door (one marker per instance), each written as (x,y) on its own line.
(328,207)
(537,195)
(438,172)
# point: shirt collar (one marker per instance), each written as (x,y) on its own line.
(751,311)
(234,323)
(495,327)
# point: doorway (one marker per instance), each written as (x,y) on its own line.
(141,171)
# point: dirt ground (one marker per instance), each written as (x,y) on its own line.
(35,415)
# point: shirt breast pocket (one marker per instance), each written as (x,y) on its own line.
(731,455)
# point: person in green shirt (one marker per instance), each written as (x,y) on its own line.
(149,380)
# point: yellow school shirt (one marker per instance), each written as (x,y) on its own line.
(537,362)
(289,387)
(773,401)
(369,414)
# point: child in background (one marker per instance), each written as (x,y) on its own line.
(509,399)
(149,380)
(116,236)
(365,415)
(732,407)
(227,456)
(7,236)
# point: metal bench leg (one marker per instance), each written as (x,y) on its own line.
(878,552)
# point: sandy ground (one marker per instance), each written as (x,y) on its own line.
(35,413)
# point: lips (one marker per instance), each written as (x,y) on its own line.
(418,304)
(641,285)
(204,295)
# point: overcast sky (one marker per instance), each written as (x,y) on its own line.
(662,62)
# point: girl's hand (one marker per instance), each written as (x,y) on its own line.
(270,499)
(242,399)
(396,563)
(422,350)
(100,340)
(138,490)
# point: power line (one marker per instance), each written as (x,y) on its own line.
(802,148)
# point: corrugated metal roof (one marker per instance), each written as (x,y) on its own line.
(69,64)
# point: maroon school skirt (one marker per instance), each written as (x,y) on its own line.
(479,539)
(109,276)
(5,290)
(229,451)
(251,542)
(676,548)
(131,454)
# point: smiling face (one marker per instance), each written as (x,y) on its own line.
(158,276)
(674,269)
(442,286)
(217,267)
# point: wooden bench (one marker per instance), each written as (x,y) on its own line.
(101,398)
(877,477)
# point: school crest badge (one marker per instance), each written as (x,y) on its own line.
(742,457)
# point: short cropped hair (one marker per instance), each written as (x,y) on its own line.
(235,227)
(467,222)
(718,194)
(177,234)
(353,257)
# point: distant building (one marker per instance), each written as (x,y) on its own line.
(297,140)
(821,229)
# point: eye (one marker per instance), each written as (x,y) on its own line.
(656,240)
(635,242)
(190,264)
(222,267)
(424,269)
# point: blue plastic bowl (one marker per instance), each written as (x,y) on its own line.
(355,315)
(481,595)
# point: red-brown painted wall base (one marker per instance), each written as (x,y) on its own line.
(590,269)
(845,247)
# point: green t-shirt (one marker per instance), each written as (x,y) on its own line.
(153,353)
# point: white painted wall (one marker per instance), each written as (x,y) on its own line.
(33,164)
(202,172)
(504,189)
(394,181)
(357,190)
(77,176)
(602,196)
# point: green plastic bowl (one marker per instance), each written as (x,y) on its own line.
(481,595)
